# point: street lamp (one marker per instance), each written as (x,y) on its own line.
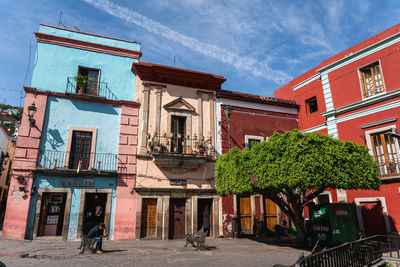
(228,112)
(31,113)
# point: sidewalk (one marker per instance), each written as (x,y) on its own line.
(227,252)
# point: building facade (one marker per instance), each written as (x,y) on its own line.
(355,96)
(75,157)
(7,147)
(175,185)
(253,119)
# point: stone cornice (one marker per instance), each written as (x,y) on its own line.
(73,43)
(363,103)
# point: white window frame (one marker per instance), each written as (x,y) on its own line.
(71,129)
(361,83)
(252,137)
(329,193)
(382,129)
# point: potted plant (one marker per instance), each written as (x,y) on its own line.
(81,81)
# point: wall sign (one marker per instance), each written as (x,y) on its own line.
(53,219)
(177,182)
(178,195)
(77,182)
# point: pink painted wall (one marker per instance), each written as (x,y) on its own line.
(125,212)
(24,163)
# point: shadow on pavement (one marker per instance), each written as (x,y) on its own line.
(112,250)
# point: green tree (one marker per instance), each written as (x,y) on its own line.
(293,168)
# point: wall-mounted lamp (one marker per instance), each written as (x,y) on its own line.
(4,158)
(395,135)
(31,112)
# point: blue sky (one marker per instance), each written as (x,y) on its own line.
(257,45)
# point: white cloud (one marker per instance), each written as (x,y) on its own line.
(241,63)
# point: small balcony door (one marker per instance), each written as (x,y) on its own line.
(178,133)
(90,85)
(80,150)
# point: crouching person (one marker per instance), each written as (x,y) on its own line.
(96,233)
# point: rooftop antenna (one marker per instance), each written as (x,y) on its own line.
(76,28)
(174,60)
(59,19)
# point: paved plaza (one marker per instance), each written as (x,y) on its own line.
(222,252)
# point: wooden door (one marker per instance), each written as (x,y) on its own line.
(177,218)
(271,214)
(245,215)
(149,218)
(80,150)
(373,218)
(51,220)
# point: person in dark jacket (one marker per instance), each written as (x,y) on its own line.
(96,233)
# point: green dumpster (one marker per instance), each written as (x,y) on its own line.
(332,224)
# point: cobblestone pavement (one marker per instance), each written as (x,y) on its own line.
(227,252)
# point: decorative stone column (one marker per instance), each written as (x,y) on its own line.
(200,112)
(158,92)
(145,118)
(212,117)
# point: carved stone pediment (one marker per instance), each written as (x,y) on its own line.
(179,104)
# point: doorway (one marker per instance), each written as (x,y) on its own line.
(148,226)
(245,217)
(204,215)
(271,214)
(178,133)
(51,220)
(373,218)
(177,218)
(94,210)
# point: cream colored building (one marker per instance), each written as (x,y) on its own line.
(176,152)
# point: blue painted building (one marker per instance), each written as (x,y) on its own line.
(87,81)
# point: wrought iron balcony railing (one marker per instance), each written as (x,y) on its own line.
(389,169)
(181,145)
(89,88)
(58,160)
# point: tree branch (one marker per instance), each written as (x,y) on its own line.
(312,195)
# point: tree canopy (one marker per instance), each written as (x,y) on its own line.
(294,167)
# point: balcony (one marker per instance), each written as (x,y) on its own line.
(390,169)
(99,163)
(178,154)
(89,88)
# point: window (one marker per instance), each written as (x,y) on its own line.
(81,146)
(311,105)
(371,80)
(249,139)
(386,154)
(323,199)
(87,81)
(178,133)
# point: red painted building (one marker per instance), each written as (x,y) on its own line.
(355,96)
(253,118)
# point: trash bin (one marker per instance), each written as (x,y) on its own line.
(332,224)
